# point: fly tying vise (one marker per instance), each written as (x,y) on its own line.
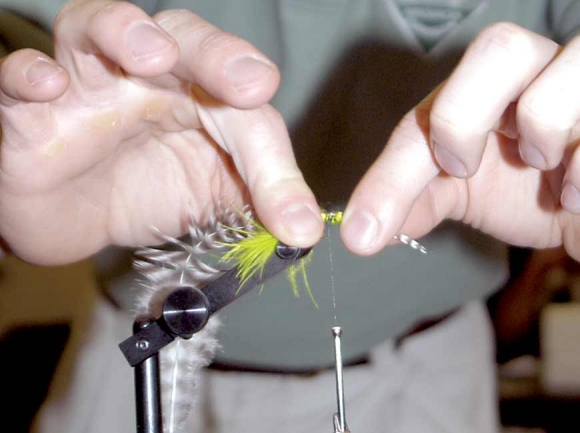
(185,312)
(192,292)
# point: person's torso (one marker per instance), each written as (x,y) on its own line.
(350,71)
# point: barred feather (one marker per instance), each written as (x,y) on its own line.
(177,263)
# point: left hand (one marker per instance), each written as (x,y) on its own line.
(140,121)
(495,146)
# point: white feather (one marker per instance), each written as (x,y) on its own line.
(164,269)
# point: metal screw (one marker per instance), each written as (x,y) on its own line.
(286,252)
(143,345)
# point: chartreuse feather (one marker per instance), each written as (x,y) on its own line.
(253,252)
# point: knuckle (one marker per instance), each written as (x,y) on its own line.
(529,109)
(449,123)
(94,14)
(411,130)
(214,40)
(62,17)
(64,13)
(262,121)
(172,20)
(504,35)
(183,24)
(272,115)
(406,129)
(118,11)
(535,113)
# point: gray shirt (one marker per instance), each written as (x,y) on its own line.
(350,70)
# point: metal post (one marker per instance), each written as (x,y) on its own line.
(147,386)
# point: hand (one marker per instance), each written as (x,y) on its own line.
(111,138)
(504,129)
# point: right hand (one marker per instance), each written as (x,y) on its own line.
(140,122)
(495,146)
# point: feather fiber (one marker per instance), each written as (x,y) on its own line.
(189,261)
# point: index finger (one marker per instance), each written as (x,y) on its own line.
(386,194)
(258,141)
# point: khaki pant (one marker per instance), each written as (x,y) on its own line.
(439,381)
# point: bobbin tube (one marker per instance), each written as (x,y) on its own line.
(340,417)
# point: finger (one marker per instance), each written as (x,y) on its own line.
(259,144)
(28,81)
(549,109)
(384,197)
(502,61)
(570,196)
(569,221)
(227,67)
(438,201)
(86,30)
(31,76)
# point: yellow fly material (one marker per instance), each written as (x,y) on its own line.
(300,268)
(334,218)
(252,253)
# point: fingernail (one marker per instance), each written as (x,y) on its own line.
(360,230)
(145,40)
(532,156)
(449,162)
(41,70)
(571,198)
(246,72)
(301,221)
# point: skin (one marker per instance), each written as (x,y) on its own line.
(107,140)
(493,146)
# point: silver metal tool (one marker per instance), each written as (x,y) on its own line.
(339,418)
